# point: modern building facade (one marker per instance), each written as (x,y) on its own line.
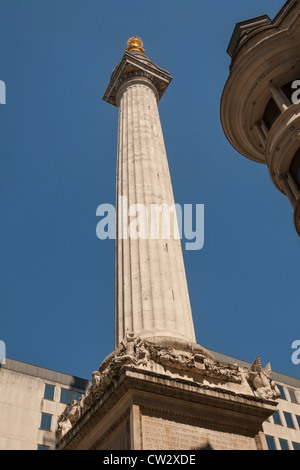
(282,429)
(31,399)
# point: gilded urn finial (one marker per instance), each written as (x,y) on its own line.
(135,44)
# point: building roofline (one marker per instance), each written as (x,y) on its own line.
(244,25)
(82,384)
(276,376)
(257,23)
(45,374)
(282,9)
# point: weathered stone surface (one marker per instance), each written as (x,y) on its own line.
(152,298)
(165,434)
(189,367)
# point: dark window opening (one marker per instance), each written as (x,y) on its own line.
(289,420)
(49,392)
(46,420)
(283,444)
(65,396)
(272,112)
(276,417)
(282,394)
(288,91)
(293,395)
(271,443)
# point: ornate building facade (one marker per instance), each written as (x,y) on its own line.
(260,106)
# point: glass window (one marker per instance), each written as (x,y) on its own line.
(284,444)
(276,418)
(282,394)
(46,420)
(49,392)
(78,395)
(271,442)
(298,420)
(293,395)
(296,445)
(289,419)
(65,396)
(42,447)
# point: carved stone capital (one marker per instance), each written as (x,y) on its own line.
(132,65)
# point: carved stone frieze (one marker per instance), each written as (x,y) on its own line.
(260,380)
(195,365)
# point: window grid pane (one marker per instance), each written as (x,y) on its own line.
(271,442)
(289,420)
(65,396)
(78,395)
(46,420)
(49,392)
(276,418)
(293,395)
(284,444)
(282,394)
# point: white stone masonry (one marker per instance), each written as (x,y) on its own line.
(152,299)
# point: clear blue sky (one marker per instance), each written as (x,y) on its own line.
(57,164)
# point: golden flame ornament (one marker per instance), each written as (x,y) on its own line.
(135,44)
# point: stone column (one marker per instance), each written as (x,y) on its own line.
(144,395)
(152,299)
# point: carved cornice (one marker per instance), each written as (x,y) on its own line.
(94,414)
(256,35)
(264,55)
(136,65)
(226,402)
(197,378)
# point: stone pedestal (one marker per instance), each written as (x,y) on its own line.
(150,397)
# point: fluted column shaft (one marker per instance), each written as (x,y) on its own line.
(152,297)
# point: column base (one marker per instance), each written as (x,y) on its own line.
(151,397)
(178,344)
